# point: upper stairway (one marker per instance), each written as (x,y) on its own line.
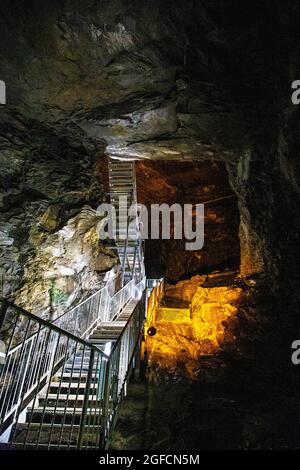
(123,194)
(108,332)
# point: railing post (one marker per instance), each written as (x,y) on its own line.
(105,404)
(108,306)
(86,399)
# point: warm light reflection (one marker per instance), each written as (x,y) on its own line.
(184,335)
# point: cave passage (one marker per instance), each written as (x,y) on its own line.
(197,95)
(161,182)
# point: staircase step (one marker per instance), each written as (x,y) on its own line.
(66,438)
(61,400)
(60,411)
(102,337)
(120,165)
(76,376)
(117,175)
(120,181)
(31,433)
(69,387)
(109,330)
(116,187)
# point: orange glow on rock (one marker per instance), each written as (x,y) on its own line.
(179,344)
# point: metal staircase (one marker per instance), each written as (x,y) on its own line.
(53,421)
(122,183)
(110,331)
(62,382)
(59,391)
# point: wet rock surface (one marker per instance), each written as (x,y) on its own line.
(67,267)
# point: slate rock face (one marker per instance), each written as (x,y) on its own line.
(48,176)
(157,80)
(67,266)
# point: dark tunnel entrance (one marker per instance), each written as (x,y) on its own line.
(190,182)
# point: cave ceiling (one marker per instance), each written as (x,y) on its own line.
(147,79)
(192,79)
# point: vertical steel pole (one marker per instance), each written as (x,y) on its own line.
(86,399)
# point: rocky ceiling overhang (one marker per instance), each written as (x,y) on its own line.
(153,79)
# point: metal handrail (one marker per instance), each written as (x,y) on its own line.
(119,299)
(121,359)
(30,367)
(126,243)
(156,289)
(44,351)
(99,305)
(42,322)
(41,354)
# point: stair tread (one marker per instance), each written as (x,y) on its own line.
(64,396)
(62,409)
(67,385)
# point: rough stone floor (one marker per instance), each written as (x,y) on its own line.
(196,416)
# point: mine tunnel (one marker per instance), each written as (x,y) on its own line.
(172,182)
(111,339)
(178,340)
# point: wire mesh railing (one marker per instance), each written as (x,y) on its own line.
(82,319)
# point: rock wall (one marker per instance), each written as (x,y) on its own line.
(176,182)
(66,267)
(178,79)
(50,187)
(179,347)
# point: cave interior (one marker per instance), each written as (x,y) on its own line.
(197,93)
